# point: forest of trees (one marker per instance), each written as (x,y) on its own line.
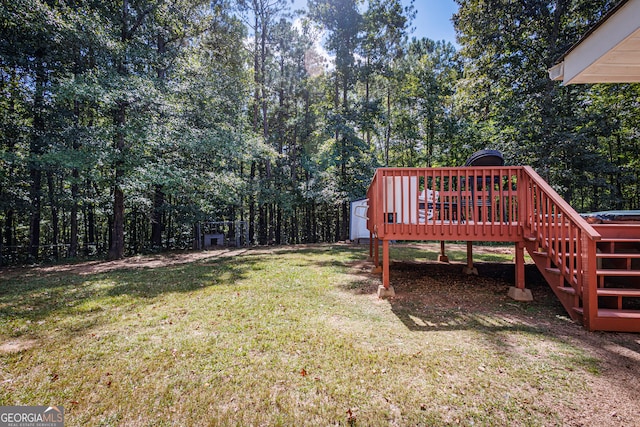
(124,123)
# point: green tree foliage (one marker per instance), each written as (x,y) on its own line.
(427,128)
(120,116)
(123,124)
(508,47)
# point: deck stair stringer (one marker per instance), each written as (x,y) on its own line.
(567,294)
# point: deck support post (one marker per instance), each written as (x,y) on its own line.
(520,265)
(370,246)
(519,292)
(377,268)
(442,257)
(589,284)
(384,290)
(470,269)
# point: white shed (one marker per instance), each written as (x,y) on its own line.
(358,220)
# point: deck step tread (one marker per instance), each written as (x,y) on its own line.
(617,272)
(556,270)
(614,292)
(613,313)
(546,254)
(605,292)
(601,272)
(618,255)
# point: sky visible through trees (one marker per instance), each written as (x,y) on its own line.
(124,124)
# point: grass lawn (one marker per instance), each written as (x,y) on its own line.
(297,337)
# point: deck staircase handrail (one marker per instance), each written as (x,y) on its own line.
(557,200)
(568,240)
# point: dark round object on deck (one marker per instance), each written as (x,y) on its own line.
(485,158)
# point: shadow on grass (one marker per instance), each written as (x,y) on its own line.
(29,299)
(437,297)
(480,304)
(339,256)
(440,297)
(33,295)
(150,283)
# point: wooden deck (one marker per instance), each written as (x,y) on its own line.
(594,270)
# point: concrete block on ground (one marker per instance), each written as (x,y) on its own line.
(470,270)
(518,294)
(386,293)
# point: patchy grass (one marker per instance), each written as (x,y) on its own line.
(457,252)
(285,337)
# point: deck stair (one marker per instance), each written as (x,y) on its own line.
(593,269)
(617,279)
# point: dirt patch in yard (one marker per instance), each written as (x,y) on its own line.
(134,262)
(432,296)
(16,345)
(147,261)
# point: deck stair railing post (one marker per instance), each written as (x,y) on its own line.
(561,239)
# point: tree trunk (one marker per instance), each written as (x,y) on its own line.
(90,225)
(344,225)
(34,221)
(1,240)
(252,204)
(366,101)
(55,226)
(262,224)
(116,246)
(116,249)
(75,178)
(36,150)
(169,225)
(73,239)
(314,223)
(294,237)
(278,224)
(133,230)
(387,133)
(335,211)
(85,246)
(157,226)
(345,221)
(308,218)
(8,229)
(256,74)
(10,137)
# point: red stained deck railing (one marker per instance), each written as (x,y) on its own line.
(446,204)
(501,204)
